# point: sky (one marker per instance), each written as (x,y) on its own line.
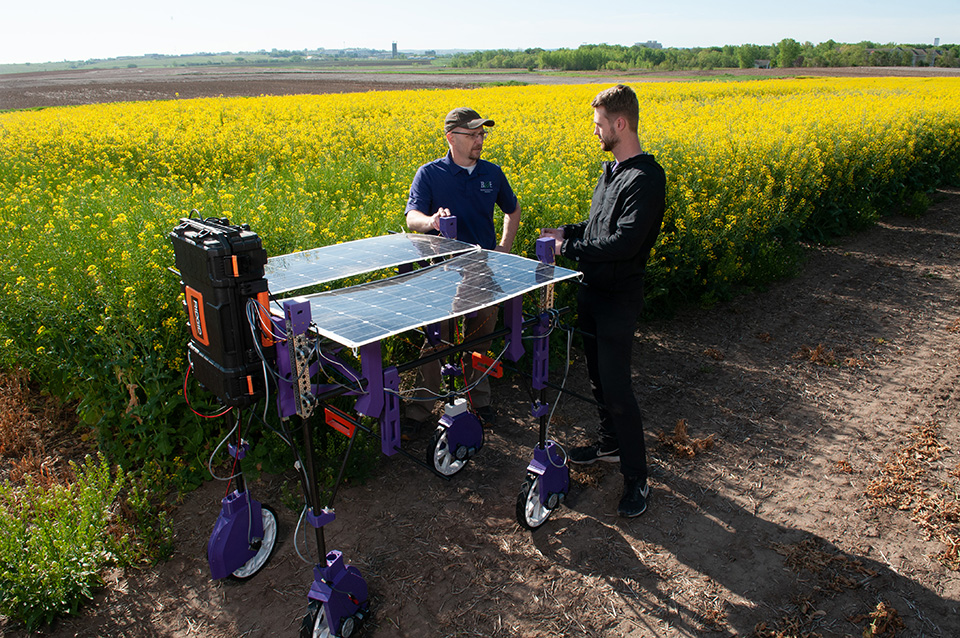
(58,30)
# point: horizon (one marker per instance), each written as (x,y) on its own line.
(439,52)
(108,29)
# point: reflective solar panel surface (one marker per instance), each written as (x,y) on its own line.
(362,314)
(300,270)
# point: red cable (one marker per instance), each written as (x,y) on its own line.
(187,399)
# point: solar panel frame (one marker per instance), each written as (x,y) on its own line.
(362,314)
(304,269)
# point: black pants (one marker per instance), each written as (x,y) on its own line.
(610,322)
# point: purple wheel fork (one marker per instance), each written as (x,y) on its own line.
(245,533)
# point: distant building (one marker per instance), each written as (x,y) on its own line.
(650,44)
(761,64)
(901,55)
(394,50)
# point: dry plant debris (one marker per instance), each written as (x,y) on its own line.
(27,419)
(842,466)
(792,626)
(714,354)
(819,355)
(906,483)
(823,356)
(682,444)
(835,570)
(884,621)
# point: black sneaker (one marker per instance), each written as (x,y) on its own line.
(588,454)
(634,500)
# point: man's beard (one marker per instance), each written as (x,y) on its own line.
(608,144)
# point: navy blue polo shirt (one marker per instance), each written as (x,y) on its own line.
(469,196)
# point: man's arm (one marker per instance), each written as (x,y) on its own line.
(511,223)
(420,222)
(638,212)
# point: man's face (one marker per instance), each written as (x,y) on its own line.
(605,129)
(466,143)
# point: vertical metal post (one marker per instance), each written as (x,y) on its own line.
(313,492)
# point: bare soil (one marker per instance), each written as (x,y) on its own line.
(64,88)
(806,482)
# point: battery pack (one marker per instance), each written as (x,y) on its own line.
(221,269)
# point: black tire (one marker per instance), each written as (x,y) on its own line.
(440,457)
(314,624)
(271,538)
(531,513)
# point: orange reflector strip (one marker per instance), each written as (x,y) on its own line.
(482,363)
(249,384)
(339,422)
(236,265)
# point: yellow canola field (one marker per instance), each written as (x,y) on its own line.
(88,194)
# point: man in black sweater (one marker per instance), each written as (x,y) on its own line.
(612,247)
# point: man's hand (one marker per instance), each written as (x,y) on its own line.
(423,223)
(556,234)
(435,218)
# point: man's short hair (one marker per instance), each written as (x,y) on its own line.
(620,101)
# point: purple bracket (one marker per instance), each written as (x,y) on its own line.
(390,420)
(371,364)
(432,332)
(236,453)
(450,370)
(539,408)
(541,353)
(546,248)
(286,401)
(448,227)
(325,516)
(513,320)
(298,311)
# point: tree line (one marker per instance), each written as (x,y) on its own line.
(787,53)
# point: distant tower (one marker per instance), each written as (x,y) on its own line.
(394,49)
(936,42)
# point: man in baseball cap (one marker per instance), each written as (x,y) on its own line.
(463,185)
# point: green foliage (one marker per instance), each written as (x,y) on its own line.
(55,540)
(785,54)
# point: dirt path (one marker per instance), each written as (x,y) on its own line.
(825,388)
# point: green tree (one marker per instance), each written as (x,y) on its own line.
(787,52)
(747,55)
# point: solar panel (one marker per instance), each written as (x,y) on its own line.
(300,270)
(362,314)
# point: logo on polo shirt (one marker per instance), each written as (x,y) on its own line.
(486,186)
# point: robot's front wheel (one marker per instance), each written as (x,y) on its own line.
(267,544)
(531,513)
(441,458)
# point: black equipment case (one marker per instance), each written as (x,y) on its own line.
(221,268)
